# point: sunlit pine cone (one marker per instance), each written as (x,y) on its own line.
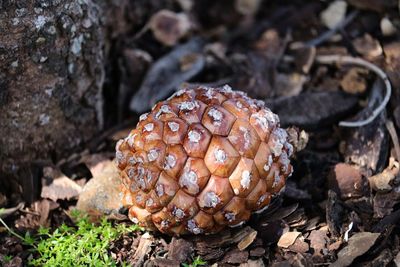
(202,160)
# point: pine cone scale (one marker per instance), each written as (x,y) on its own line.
(202,160)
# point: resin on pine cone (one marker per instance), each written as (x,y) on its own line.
(202,160)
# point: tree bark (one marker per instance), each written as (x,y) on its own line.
(51,78)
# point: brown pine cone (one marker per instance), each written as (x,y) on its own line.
(201,160)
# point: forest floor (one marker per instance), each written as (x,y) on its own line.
(318,65)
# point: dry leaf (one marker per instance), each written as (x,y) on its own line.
(381,181)
(61,188)
(354,81)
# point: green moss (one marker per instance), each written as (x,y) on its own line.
(85,244)
(196,262)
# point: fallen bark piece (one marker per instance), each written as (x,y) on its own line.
(358,245)
(385,202)
(313,110)
(161,262)
(334,213)
(257,252)
(378,6)
(288,239)
(223,239)
(368,146)
(166,74)
(180,250)
(102,194)
(346,180)
(236,256)
(383,259)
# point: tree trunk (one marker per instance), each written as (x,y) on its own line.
(51,77)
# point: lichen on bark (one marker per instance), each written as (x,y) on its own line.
(51,77)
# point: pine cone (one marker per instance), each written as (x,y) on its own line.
(201,160)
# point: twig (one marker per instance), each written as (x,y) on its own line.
(395,139)
(11,231)
(7,212)
(330,59)
(328,34)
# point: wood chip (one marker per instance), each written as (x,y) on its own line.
(334,14)
(253,263)
(248,240)
(368,46)
(143,250)
(312,109)
(288,239)
(318,240)
(387,27)
(299,245)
